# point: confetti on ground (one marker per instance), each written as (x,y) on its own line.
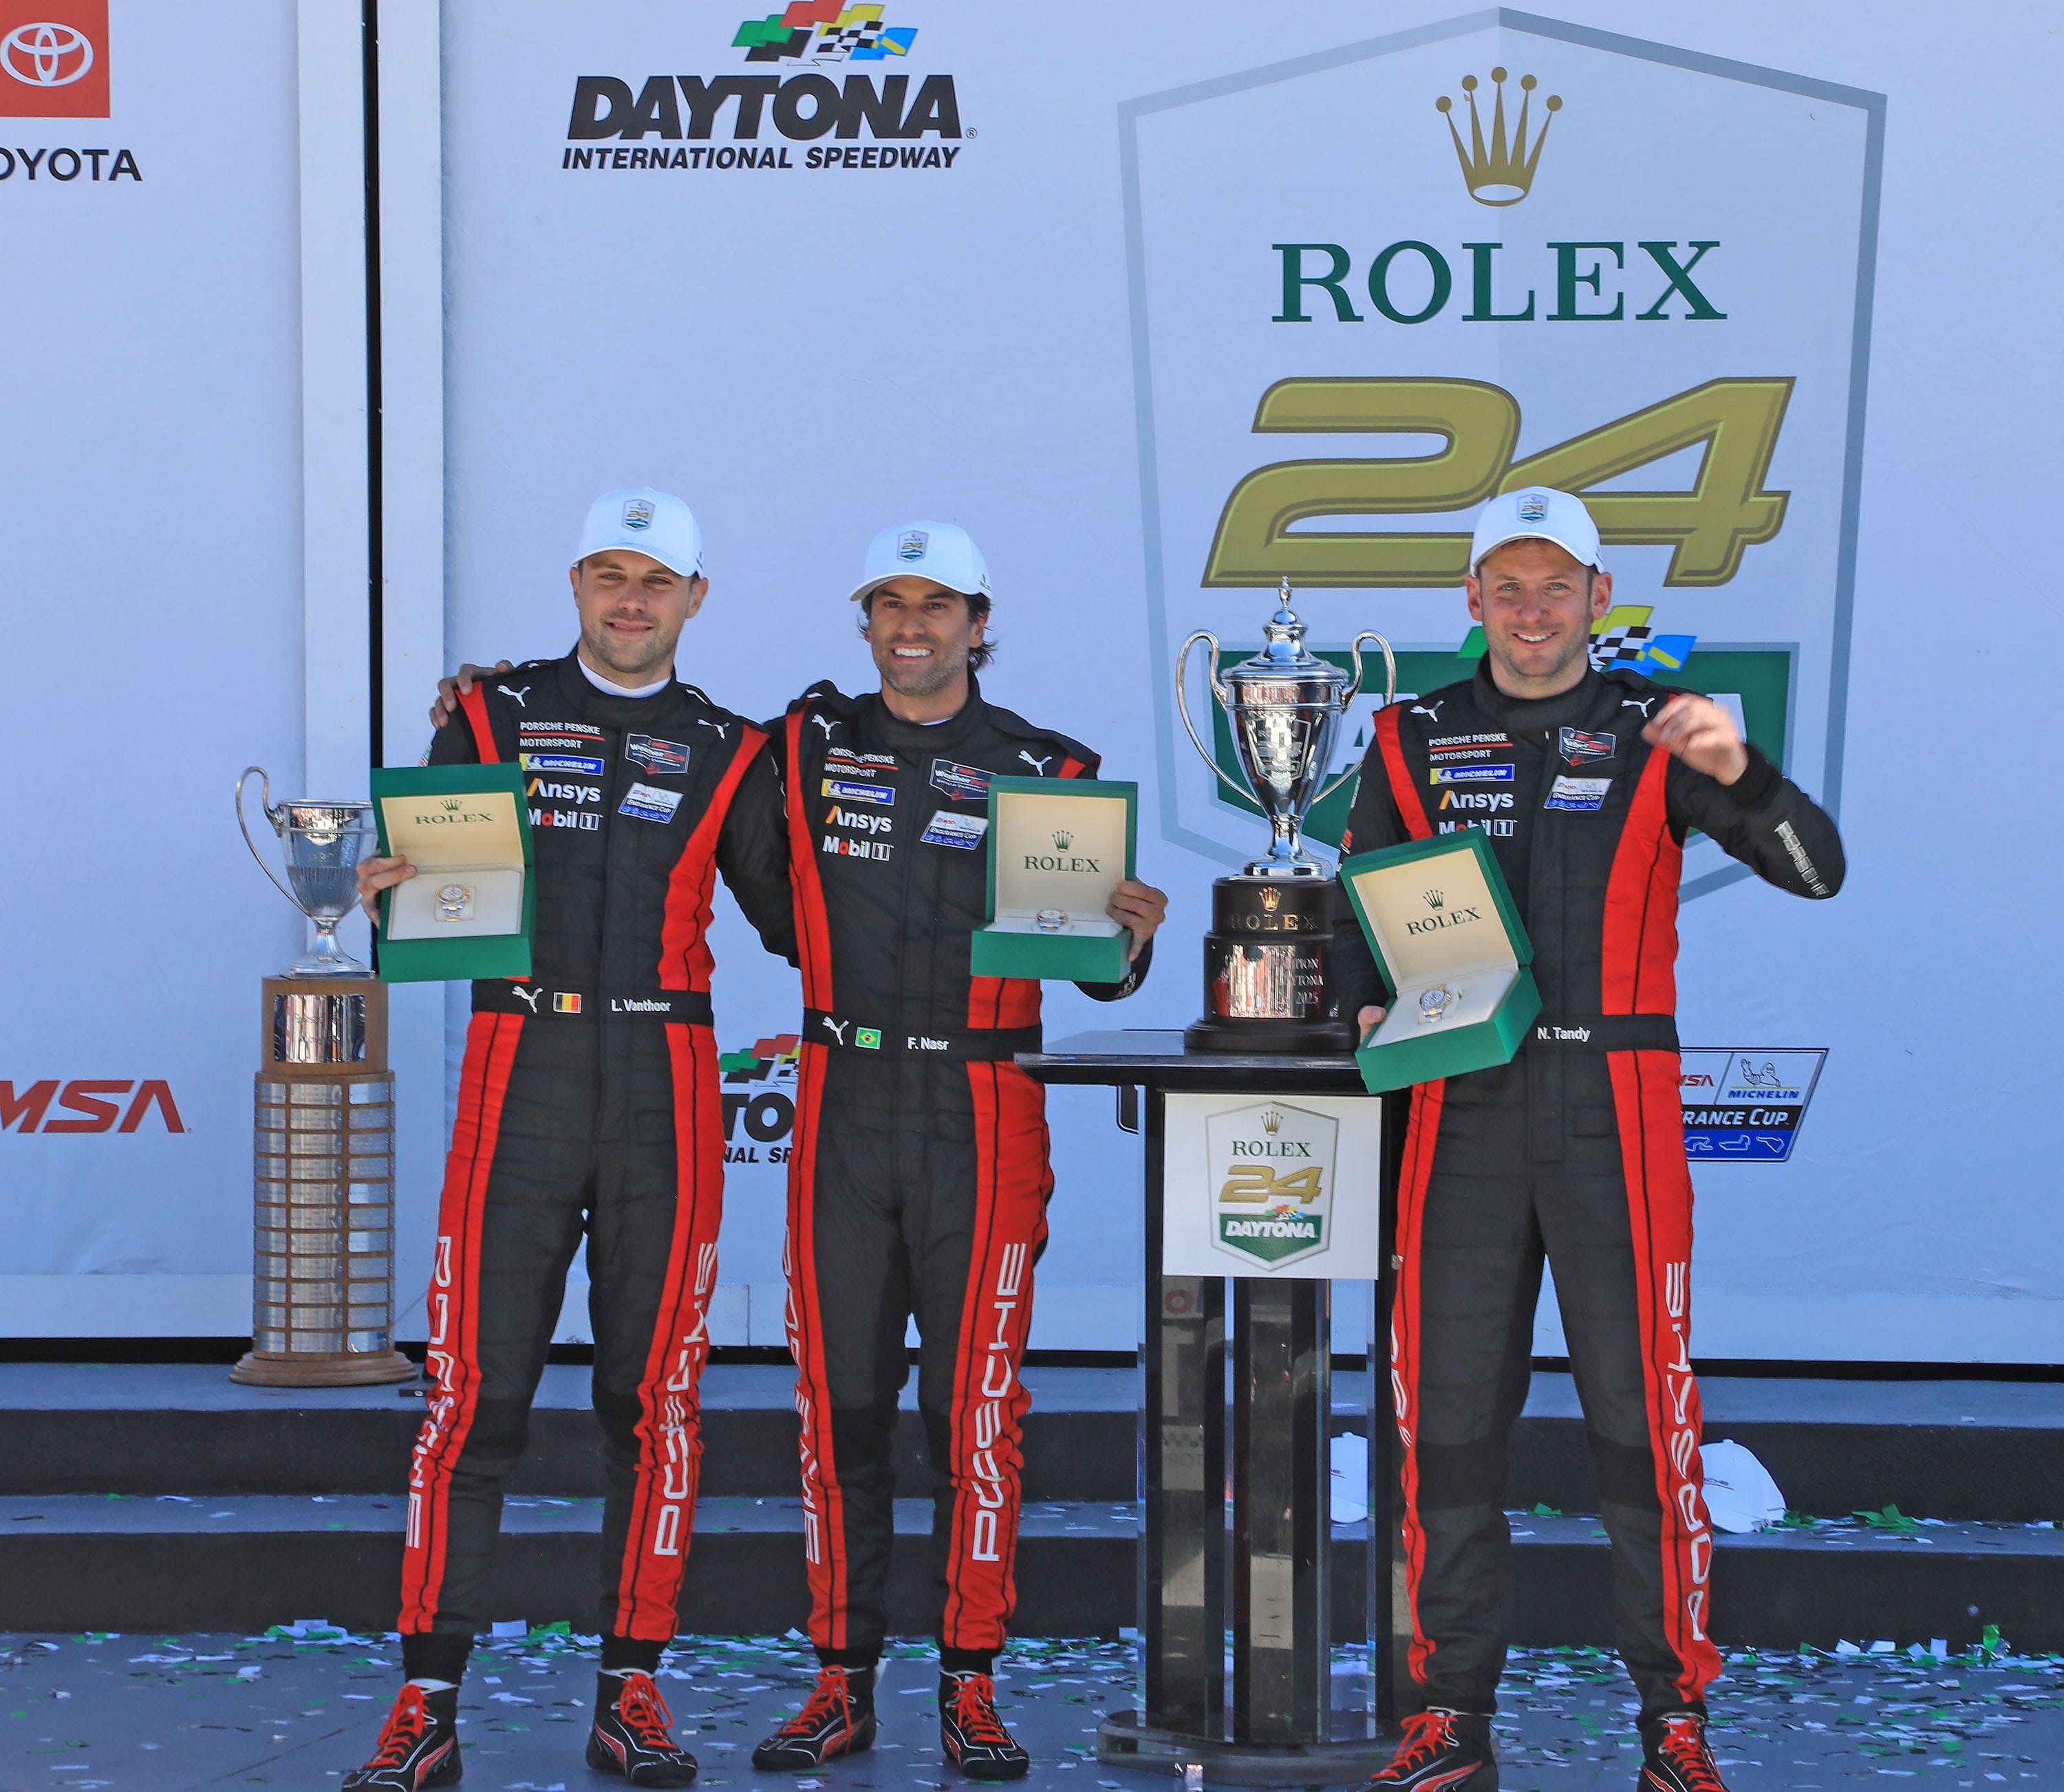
(301,1704)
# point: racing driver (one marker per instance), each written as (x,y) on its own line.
(588,1104)
(919,1181)
(1575,1150)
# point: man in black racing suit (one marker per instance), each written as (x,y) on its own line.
(919,1180)
(588,1104)
(1587,783)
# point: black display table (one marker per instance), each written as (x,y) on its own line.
(1271,1588)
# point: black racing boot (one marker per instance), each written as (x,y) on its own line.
(1676,1755)
(418,1748)
(633,1732)
(1443,1751)
(971,1734)
(836,1719)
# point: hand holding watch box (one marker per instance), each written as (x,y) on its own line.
(467,912)
(1058,849)
(1438,916)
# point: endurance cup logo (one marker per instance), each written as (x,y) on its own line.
(777,120)
(1652,332)
(1270,1167)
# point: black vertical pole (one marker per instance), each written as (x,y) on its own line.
(1389,1614)
(375,557)
(1181,1479)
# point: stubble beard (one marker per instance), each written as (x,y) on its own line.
(649,665)
(1577,654)
(921,678)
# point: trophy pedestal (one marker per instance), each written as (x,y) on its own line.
(323,1264)
(1266,958)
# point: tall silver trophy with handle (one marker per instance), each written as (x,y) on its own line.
(1266,986)
(323,843)
(322,1284)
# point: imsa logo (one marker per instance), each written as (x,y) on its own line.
(1271,1171)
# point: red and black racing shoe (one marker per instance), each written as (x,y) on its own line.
(836,1719)
(1677,1758)
(419,1747)
(633,1734)
(971,1734)
(1443,1751)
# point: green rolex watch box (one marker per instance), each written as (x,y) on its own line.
(1439,918)
(467,912)
(1057,848)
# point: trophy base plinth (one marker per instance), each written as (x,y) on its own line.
(321,1369)
(1265,970)
(323,1027)
(1271,1038)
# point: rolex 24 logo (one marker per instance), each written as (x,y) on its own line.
(1270,1170)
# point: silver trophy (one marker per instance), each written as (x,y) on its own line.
(1285,706)
(1265,982)
(323,843)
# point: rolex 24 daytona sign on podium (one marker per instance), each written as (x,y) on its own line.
(1273,1185)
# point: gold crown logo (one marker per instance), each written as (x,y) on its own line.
(1271,1120)
(1501,172)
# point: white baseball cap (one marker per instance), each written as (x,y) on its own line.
(1536,513)
(943,551)
(646,521)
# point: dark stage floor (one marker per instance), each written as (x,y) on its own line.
(168,1714)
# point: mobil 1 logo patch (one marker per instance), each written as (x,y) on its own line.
(1746,1105)
(1577,793)
(655,754)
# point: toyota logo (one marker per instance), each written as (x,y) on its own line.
(46,55)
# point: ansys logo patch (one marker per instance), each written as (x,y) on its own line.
(1271,1167)
(823,31)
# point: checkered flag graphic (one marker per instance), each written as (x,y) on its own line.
(837,42)
(1621,647)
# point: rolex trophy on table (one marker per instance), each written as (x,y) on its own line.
(1266,986)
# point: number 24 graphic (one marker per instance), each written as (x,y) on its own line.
(1263,1182)
(1726,511)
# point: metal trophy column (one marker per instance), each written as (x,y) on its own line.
(323,1251)
(323,1259)
(1264,1582)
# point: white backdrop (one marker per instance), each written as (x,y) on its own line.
(1061,340)
(152,499)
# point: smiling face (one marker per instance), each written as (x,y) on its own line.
(631,611)
(1537,602)
(920,635)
